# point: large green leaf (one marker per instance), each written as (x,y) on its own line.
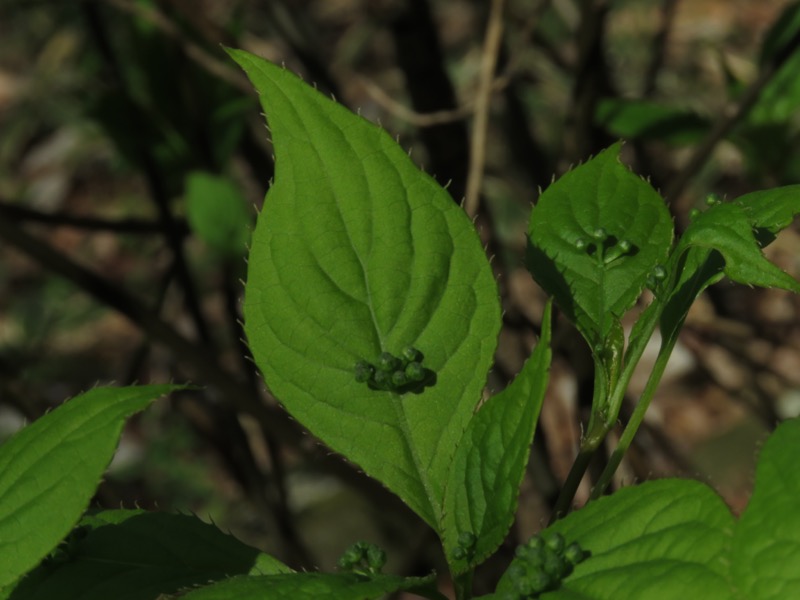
(134,555)
(481,496)
(50,469)
(358,252)
(765,558)
(578,232)
(320,586)
(664,539)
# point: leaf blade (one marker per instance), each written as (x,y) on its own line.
(50,469)
(358,253)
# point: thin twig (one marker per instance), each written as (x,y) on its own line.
(477,158)
(62,219)
(721,129)
(658,52)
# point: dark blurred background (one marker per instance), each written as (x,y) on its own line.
(133,160)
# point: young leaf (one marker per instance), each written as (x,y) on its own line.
(217,212)
(661,539)
(770,211)
(481,495)
(727,228)
(50,469)
(134,555)
(320,586)
(595,235)
(356,253)
(765,557)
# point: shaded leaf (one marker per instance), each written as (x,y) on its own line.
(50,469)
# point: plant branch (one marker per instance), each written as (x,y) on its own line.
(62,219)
(203,364)
(668,10)
(636,418)
(721,129)
(477,154)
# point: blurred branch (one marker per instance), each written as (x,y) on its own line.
(420,57)
(152,172)
(491,49)
(195,52)
(725,125)
(193,355)
(591,82)
(61,219)
(659,49)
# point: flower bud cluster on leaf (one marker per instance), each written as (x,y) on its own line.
(363,558)
(540,566)
(401,374)
(465,549)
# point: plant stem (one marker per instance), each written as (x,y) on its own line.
(636,418)
(463,585)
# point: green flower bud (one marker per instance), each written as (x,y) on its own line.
(399,379)
(580,244)
(574,553)
(387,362)
(383,379)
(467,539)
(555,542)
(364,371)
(376,558)
(600,234)
(411,354)
(415,371)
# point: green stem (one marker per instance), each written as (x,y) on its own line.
(590,442)
(636,418)
(463,585)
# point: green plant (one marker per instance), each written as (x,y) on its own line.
(373,314)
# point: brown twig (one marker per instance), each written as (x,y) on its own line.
(477,159)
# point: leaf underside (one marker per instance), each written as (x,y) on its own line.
(357,252)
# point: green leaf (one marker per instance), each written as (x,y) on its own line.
(481,496)
(50,469)
(770,211)
(133,555)
(217,212)
(356,253)
(646,120)
(659,540)
(750,222)
(727,228)
(576,250)
(765,557)
(320,586)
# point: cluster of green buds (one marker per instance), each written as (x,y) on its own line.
(604,247)
(465,550)
(363,558)
(541,565)
(401,374)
